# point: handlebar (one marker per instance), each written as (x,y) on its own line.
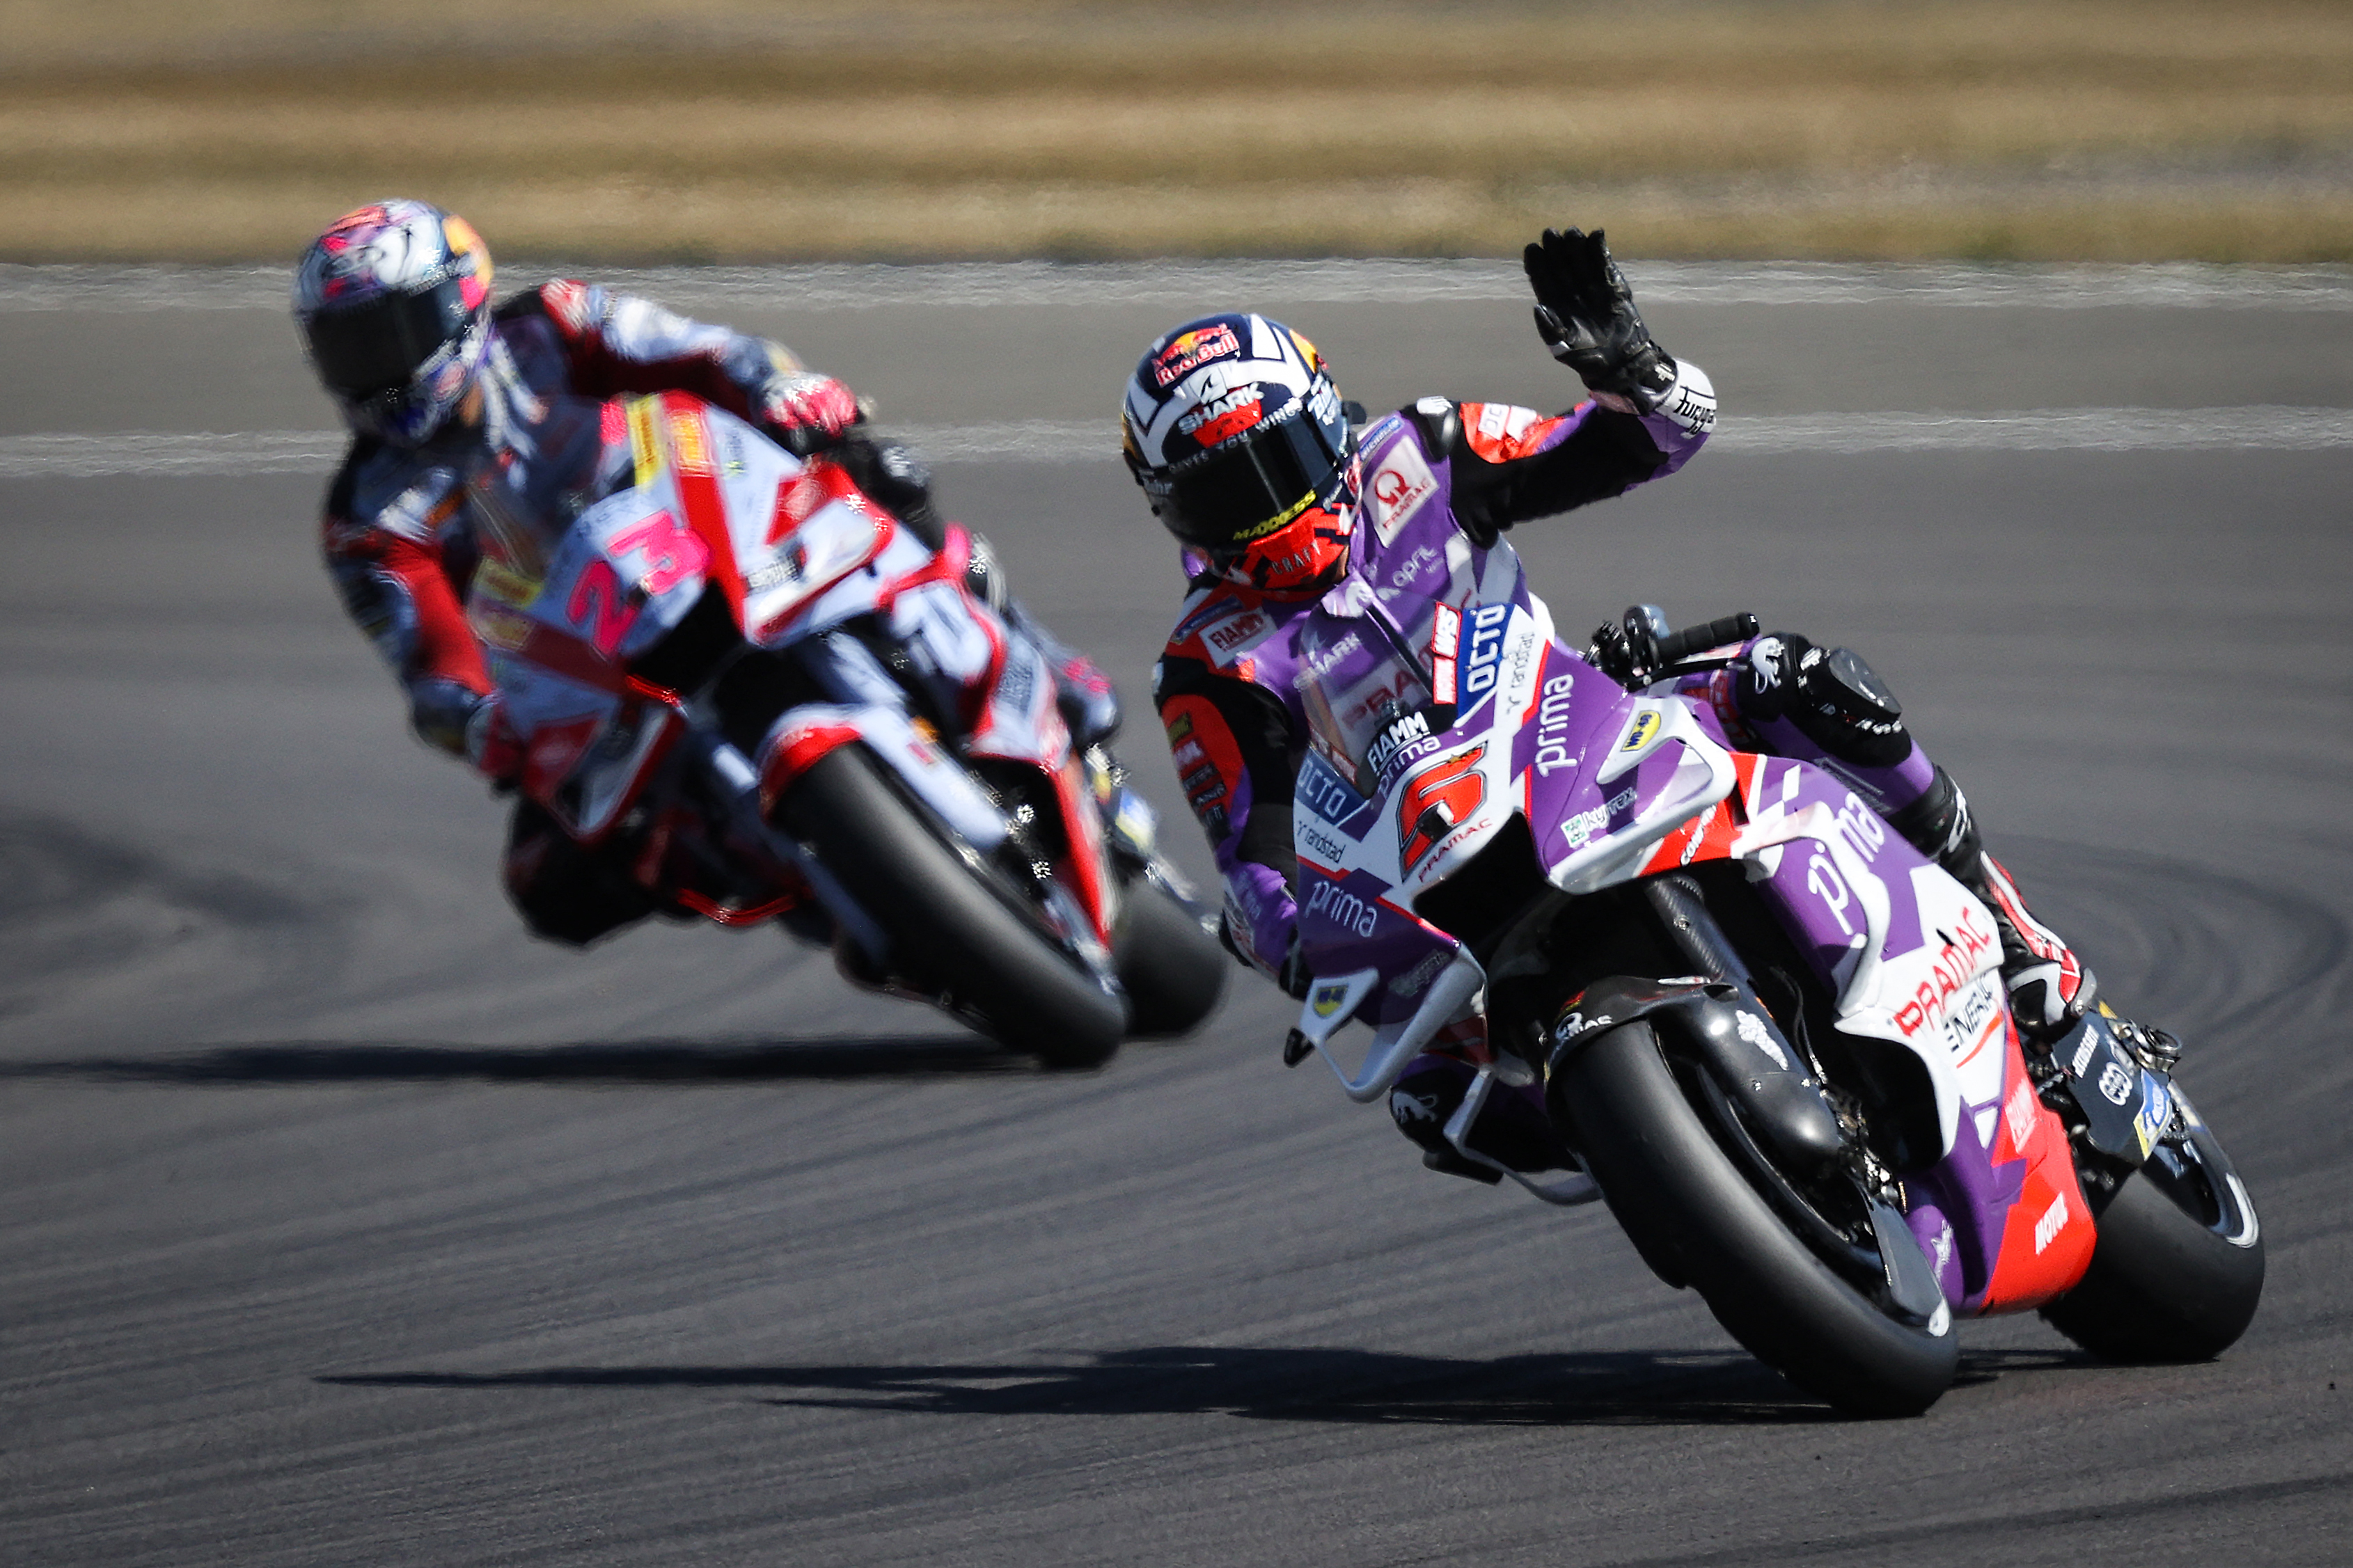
(1676,647)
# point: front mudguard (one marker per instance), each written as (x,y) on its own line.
(796,742)
(1725,1033)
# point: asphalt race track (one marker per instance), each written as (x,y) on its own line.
(341,1223)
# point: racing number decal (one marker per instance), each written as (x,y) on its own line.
(1438,800)
(597,608)
(673,553)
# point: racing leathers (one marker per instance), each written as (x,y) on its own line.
(402,542)
(1226,684)
(406,530)
(1234,683)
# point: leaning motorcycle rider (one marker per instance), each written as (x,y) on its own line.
(442,390)
(1234,429)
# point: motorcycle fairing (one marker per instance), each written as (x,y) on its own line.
(1633,786)
(558,649)
(1915,961)
(777,531)
(798,553)
(2127,1107)
(2004,1219)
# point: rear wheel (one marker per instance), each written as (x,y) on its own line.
(2179,1266)
(1699,1219)
(1173,970)
(946,917)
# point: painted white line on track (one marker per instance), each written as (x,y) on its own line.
(1187,285)
(160,455)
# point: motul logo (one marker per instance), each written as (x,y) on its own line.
(1441,799)
(2053,1221)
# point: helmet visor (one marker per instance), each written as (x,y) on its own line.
(377,347)
(1224,499)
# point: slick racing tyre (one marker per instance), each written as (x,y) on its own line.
(2179,1266)
(1698,1219)
(1173,970)
(970,938)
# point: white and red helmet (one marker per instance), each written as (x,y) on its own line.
(1235,431)
(394,304)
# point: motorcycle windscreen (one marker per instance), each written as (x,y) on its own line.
(1368,705)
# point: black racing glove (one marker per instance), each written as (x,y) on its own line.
(894,475)
(1587,316)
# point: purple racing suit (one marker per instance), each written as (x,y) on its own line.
(1230,690)
(1226,683)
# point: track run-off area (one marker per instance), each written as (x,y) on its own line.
(341,1223)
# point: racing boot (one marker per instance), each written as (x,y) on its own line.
(1512,1129)
(2050,987)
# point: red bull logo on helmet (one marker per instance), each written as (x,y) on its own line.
(1187,352)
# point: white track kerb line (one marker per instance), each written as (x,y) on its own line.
(858,286)
(158,455)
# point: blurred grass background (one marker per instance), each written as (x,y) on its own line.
(736,129)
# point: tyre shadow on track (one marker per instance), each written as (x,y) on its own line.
(1598,1388)
(303,1063)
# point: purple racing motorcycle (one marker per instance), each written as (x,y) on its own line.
(1772,1036)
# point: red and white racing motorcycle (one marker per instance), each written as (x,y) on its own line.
(787,702)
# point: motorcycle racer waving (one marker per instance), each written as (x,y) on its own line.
(1236,435)
(441,390)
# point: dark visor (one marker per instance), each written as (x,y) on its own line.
(377,347)
(1225,499)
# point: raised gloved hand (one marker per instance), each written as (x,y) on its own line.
(1587,316)
(807,412)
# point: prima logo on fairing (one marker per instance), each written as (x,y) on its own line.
(1860,826)
(1552,727)
(1343,909)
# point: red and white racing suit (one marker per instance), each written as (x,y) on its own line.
(403,538)
(400,538)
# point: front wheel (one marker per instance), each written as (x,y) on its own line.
(941,915)
(2178,1266)
(1174,971)
(1693,1214)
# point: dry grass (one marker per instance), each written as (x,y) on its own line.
(726,130)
